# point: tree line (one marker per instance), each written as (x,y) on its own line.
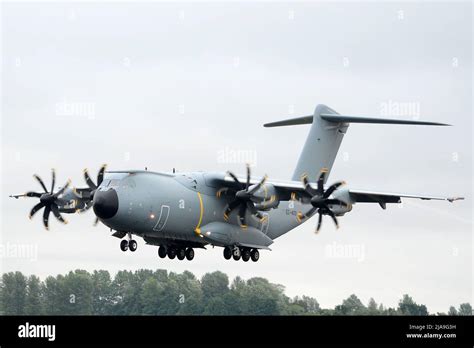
(148,292)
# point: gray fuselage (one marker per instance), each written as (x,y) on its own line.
(167,208)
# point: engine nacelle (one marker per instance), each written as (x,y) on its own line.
(342,195)
(340,210)
(269,193)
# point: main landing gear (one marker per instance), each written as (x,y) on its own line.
(172,252)
(130,244)
(241,253)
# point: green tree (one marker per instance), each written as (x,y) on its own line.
(14,292)
(150,296)
(214,284)
(102,295)
(407,306)
(465,309)
(126,291)
(55,298)
(372,308)
(303,305)
(191,297)
(351,306)
(34,296)
(78,287)
(452,311)
(260,297)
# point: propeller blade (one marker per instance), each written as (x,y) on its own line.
(100,176)
(335,201)
(53,180)
(46,212)
(320,221)
(259,185)
(231,206)
(248,177)
(235,178)
(333,217)
(89,181)
(86,208)
(310,212)
(96,221)
(62,189)
(321,178)
(241,215)
(33,194)
(332,188)
(35,209)
(41,183)
(307,187)
(56,213)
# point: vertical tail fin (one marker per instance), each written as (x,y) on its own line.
(322,143)
(325,137)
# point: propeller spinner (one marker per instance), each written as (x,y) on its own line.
(88,194)
(244,198)
(48,200)
(320,200)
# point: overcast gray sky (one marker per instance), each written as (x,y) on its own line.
(168,85)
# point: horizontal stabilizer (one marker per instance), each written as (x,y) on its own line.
(349,119)
(355,119)
(291,122)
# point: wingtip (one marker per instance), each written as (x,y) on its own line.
(454,199)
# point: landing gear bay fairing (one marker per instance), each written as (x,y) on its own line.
(179,212)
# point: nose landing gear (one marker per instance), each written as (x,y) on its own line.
(129,244)
(124,245)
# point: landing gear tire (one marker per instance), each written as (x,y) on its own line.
(124,245)
(236,254)
(171,253)
(227,253)
(246,255)
(162,251)
(181,254)
(190,253)
(255,255)
(132,245)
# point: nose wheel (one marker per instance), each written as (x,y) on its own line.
(124,245)
(132,245)
(129,244)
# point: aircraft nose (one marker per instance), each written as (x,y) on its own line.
(106,203)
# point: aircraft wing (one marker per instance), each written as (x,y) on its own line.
(382,198)
(293,190)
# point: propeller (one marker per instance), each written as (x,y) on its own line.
(47,200)
(244,199)
(320,200)
(100,177)
(88,194)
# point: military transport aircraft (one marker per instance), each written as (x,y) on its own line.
(182,211)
